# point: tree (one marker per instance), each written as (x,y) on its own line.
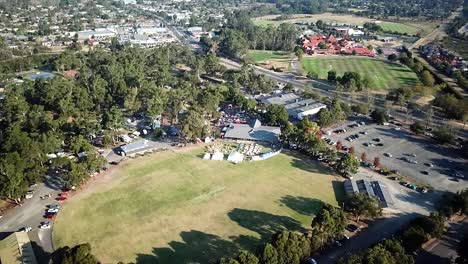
(328,223)
(392,57)
(364,156)
(444,135)
(79,254)
(246,257)
(276,115)
(376,162)
(427,78)
(362,109)
(269,255)
(331,76)
(417,127)
(379,116)
(339,145)
(413,238)
(299,54)
(363,205)
(325,117)
(193,125)
(348,164)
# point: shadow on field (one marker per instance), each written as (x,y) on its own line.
(302,205)
(200,247)
(196,247)
(262,223)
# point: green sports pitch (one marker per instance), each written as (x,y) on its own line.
(386,75)
(398,27)
(178,208)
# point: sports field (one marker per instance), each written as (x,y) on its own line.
(178,208)
(263,55)
(398,27)
(386,75)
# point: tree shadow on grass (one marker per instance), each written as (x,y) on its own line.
(302,205)
(262,223)
(200,247)
(196,247)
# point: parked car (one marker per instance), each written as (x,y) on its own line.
(425,172)
(29,195)
(62,198)
(26,229)
(429,164)
(54,206)
(52,210)
(45,225)
(386,154)
(352,228)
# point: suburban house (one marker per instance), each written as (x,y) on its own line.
(374,188)
(253,131)
(320,44)
(297,107)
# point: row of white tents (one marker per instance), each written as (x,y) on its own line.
(234,156)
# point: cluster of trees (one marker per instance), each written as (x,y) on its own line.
(350,81)
(79,254)
(433,9)
(337,112)
(240,34)
(380,116)
(41,117)
(288,247)
(299,6)
(453,106)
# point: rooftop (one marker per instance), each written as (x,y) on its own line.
(255,132)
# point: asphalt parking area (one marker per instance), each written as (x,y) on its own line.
(401,145)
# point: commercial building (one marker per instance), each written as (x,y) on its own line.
(297,107)
(374,188)
(254,131)
(135,148)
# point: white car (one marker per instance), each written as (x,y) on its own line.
(26,229)
(388,155)
(29,195)
(52,210)
(45,225)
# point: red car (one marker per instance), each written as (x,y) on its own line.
(50,216)
(63,194)
(61,198)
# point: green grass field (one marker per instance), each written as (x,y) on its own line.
(385,75)
(263,55)
(398,27)
(177,208)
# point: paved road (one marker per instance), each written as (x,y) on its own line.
(408,205)
(445,248)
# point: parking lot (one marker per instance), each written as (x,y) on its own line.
(416,157)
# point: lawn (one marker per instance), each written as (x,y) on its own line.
(263,55)
(177,208)
(398,27)
(386,75)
